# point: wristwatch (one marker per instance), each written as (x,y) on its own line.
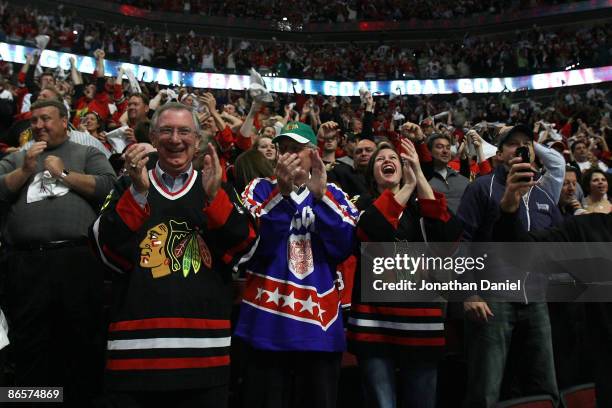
(64,173)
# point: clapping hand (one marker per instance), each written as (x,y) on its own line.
(136,158)
(412,131)
(211,173)
(409,153)
(54,165)
(317,183)
(209,101)
(327,128)
(285,172)
(31,157)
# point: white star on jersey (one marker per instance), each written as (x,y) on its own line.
(273,297)
(321,311)
(290,300)
(308,304)
(260,292)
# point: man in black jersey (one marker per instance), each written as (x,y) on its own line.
(172,236)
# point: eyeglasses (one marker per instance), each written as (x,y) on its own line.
(169,131)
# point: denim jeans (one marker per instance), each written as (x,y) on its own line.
(417,383)
(527,326)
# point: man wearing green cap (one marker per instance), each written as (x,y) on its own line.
(297,146)
(290,317)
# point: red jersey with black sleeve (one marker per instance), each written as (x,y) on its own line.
(402,331)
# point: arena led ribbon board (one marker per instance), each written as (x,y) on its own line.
(53,59)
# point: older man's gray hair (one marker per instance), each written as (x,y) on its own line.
(176,107)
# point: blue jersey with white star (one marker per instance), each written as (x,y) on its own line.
(291,300)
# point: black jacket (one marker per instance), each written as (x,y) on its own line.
(583,228)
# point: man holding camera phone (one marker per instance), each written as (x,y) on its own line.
(586,228)
(491,327)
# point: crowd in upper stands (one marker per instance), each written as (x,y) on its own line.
(530,51)
(338,11)
(568,112)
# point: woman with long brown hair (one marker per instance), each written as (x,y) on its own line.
(250,165)
(93,124)
(405,336)
(263,143)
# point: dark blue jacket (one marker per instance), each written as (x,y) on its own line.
(479,208)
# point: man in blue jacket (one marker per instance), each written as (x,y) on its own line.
(490,326)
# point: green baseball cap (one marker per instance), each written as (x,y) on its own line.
(298,131)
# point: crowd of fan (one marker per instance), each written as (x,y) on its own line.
(338,11)
(566,116)
(530,51)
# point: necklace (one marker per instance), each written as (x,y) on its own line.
(603,204)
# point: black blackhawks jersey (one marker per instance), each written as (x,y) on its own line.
(172,296)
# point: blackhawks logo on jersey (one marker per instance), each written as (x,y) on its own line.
(167,249)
